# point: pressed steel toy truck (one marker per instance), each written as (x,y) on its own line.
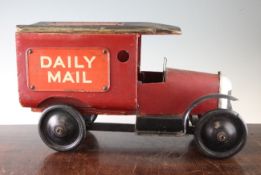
(72,72)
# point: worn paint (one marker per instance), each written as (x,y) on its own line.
(100,28)
(179,90)
(68,69)
(122,92)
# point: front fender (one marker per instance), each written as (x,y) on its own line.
(200,100)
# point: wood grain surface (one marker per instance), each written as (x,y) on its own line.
(115,153)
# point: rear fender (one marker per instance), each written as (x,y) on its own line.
(61,100)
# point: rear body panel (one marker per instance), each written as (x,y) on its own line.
(174,96)
(121,95)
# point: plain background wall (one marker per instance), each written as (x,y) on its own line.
(217,36)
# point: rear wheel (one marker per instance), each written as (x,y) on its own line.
(220,133)
(62,128)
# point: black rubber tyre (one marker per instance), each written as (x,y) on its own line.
(62,128)
(220,134)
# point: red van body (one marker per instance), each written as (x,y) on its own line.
(128,90)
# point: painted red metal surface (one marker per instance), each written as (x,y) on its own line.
(68,69)
(121,98)
(180,89)
(126,95)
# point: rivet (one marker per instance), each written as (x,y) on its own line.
(30,51)
(105,51)
(105,88)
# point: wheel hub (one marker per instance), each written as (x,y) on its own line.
(60,131)
(221,136)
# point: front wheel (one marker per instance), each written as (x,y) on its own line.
(220,133)
(62,128)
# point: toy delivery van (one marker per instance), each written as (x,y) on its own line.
(74,71)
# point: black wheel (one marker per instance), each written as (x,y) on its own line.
(89,120)
(62,128)
(220,133)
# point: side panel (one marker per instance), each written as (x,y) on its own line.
(68,69)
(173,96)
(122,93)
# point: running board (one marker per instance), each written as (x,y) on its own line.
(113,127)
(145,125)
(156,124)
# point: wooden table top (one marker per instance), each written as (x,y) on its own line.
(114,153)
